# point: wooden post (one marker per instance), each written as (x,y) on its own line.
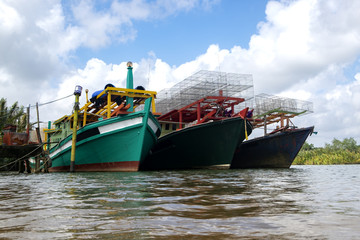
(28,168)
(28,122)
(37,164)
(21,166)
(37,158)
(38,124)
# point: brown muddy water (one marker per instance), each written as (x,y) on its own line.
(303,202)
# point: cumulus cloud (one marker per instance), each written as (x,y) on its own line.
(37,43)
(301,50)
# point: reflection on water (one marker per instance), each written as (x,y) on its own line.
(315,202)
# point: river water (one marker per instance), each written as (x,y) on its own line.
(312,202)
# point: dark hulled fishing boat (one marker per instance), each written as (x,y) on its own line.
(277,150)
(206,145)
(208,140)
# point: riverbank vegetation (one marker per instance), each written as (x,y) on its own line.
(338,152)
(14,115)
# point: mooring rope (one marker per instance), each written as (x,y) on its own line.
(42,104)
(41,145)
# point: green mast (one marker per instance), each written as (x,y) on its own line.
(130,85)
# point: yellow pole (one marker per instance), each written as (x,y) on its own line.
(77,93)
(153,104)
(246,134)
(109,105)
(87,97)
(86,107)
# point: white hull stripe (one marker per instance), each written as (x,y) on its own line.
(66,145)
(152,125)
(119,125)
(111,127)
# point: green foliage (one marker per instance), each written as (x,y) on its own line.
(307,146)
(346,144)
(12,115)
(339,152)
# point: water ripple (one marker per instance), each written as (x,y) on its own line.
(315,202)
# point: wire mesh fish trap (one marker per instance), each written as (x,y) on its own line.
(202,84)
(266,104)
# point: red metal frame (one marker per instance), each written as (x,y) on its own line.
(203,110)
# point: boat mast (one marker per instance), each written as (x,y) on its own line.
(130,85)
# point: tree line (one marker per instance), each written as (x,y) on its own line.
(336,152)
(14,115)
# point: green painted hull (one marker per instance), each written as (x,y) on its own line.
(115,144)
(205,145)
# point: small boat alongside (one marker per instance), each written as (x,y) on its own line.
(277,150)
(112,136)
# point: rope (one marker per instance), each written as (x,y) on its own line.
(23,157)
(32,106)
(47,160)
(42,104)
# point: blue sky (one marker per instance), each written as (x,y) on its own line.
(302,49)
(184,36)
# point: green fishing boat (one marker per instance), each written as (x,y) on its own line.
(112,136)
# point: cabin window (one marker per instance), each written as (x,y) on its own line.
(167,126)
(174,127)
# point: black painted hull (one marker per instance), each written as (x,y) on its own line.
(271,151)
(207,145)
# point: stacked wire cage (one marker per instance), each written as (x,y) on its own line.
(202,84)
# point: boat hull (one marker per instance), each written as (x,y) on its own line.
(115,144)
(207,145)
(271,151)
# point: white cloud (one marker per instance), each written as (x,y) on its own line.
(37,42)
(300,51)
(10,20)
